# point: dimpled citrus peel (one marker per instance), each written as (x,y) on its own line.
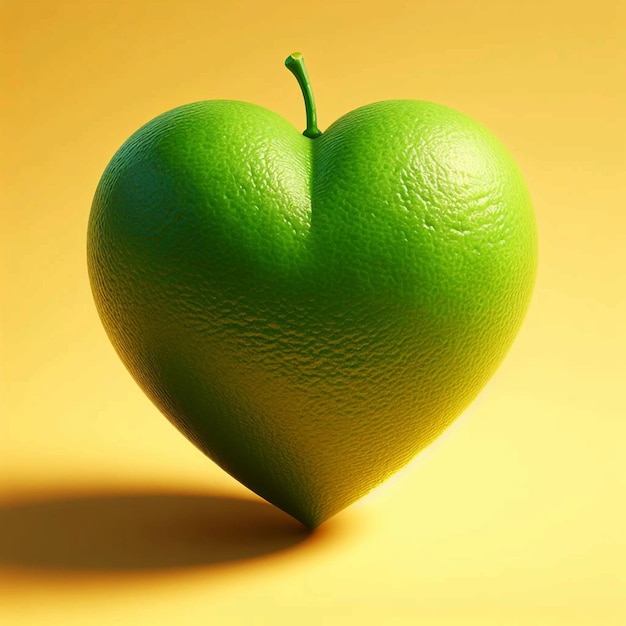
(311,309)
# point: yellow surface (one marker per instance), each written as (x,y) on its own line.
(514,517)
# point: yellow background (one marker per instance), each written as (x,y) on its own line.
(516,516)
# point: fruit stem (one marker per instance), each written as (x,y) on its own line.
(295,64)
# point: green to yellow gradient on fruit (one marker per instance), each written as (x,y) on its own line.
(311,310)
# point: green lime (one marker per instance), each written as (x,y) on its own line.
(312,310)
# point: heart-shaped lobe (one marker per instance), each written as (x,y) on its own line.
(311,313)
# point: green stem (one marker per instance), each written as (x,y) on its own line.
(295,64)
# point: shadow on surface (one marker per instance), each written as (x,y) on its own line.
(125,531)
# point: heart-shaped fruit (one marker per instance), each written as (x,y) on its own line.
(311,310)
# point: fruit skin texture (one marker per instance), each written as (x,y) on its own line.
(311,313)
